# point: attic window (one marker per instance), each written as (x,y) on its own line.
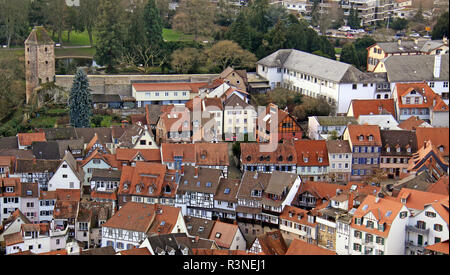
(125,186)
(163,223)
(198,184)
(280,158)
(256,193)
(261,158)
(218,234)
(227,191)
(290,158)
(388,213)
(370,137)
(268,158)
(365,207)
(441,148)
(167,189)
(305,159)
(249,158)
(408,149)
(208,184)
(361,137)
(388,149)
(398,149)
(185,182)
(320,159)
(201,228)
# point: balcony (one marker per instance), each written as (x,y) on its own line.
(411,245)
(415,228)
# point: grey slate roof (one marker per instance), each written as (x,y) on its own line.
(410,46)
(415,68)
(154,111)
(106,174)
(36,166)
(315,65)
(336,120)
(60,133)
(234,101)
(55,149)
(39,36)
(279,181)
(190,183)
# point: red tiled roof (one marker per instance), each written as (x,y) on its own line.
(284,154)
(223,233)
(104,195)
(170,150)
(205,251)
(372,106)
(411,123)
(292,214)
(272,243)
(313,150)
(299,247)
(442,247)
(433,101)
(12,239)
(440,187)
(25,139)
(55,252)
(136,251)
(144,176)
(438,136)
(355,131)
(418,199)
(68,194)
(123,154)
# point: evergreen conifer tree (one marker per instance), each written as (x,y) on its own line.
(153,24)
(80,101)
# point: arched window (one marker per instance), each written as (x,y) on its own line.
(167,189)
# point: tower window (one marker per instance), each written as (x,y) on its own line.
(46,62)
(28,49)
(46,49)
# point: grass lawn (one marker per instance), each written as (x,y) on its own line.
(88,52)
(173,35)
(76,38)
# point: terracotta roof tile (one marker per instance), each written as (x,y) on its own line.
(136,251)
(123,154)
(204,251)
(284,154)
(26,139)
(412,123)
(295,214)
(143,178)
(440,187)
(312,150)
(223,233)
(14,238)
(355,131)
(438,136)
(299,247)
(433,100)
(272,243)
(442,247)
(416,199)
(372,106)
(184,86)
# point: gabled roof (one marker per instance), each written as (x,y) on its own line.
(279,182)
(273,243)
(338,146)
(198,226)
(171,150)
(315,65)
(223,233)
(431,100)
(312,150)
(408,68)
(355,131)
(26,139)
(438,136)
(235,101)
(412,123)
(297,215)
(384,211)
(36,165)
(227,190)
(199,179)
(299,247)
(424,46)
(105,175)
(373,106)
(284,154)
(440,187)
(136,251)
(398,138)
(143,178)
(68,158)
(417,200)
(8,143)
(252,180)
(214,154)
(133,216)
(65,209)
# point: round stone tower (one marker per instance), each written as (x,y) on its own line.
(39,60)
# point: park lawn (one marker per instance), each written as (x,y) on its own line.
(76,38)
(85,52)
(173,35)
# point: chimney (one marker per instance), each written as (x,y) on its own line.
(196,172)
(444,40)
(399,42)
(350,201)
(197,238)
(437,66)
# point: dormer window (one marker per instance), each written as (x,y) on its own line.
(361,137)
(388,149)
(290,158)
(408,149)
(441,148)
(138,189)
(305,159)
(249,158)
(370,138)
(167,189)
(150,190)
(398,149)
(320,159)
(256,193)
(9,189)
(125,186)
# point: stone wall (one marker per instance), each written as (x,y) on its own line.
(121,84)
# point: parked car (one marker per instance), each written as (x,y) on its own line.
(361,31)
(427,36)
(416,35)
(344,29)
(353,31)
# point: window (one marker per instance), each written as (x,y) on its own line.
(430,214)
(421,225)
(431,84)
(354,86)
(437,227)
(357,247)
(64,176)
(403,214)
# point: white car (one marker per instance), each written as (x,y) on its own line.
(414,35)
(361,31)
(344,29)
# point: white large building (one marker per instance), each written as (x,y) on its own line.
(319,77)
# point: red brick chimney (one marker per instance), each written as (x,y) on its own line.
(196,172)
